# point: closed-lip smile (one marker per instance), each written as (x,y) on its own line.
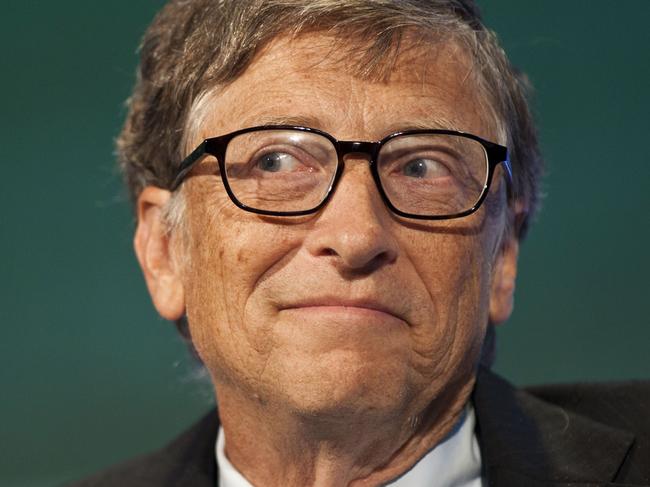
(340,302)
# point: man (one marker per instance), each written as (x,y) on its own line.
(330,199)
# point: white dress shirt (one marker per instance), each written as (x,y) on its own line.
(456,462)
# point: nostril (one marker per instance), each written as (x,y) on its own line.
(384,258)
(370,265)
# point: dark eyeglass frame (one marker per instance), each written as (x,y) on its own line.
(216,146)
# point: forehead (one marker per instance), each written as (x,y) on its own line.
(314,80)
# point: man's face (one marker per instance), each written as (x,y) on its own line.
(352,309)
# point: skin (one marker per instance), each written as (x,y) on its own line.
(342,346)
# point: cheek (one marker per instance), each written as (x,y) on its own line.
(231,253)
(455,272)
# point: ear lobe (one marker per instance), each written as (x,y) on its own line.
(152,248)
(502,290)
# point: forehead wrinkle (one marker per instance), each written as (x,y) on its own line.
(357,113)
(352,102)
(288,93)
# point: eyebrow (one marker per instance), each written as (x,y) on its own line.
(429,123)
(303,121)
(435,122)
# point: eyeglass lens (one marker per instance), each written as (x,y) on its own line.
(292,171)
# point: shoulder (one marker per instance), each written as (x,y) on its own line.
(143,470)
(623,405)
(564,431)
(187,460)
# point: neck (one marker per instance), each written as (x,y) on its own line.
(272,445)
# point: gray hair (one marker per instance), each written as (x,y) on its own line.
(196,46)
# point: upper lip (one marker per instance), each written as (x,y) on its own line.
(368,303)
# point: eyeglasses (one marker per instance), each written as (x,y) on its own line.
(286,170)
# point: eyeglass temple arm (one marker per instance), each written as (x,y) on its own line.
(503,156)
(507,166)
(188,163)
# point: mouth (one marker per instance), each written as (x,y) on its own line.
(351,308)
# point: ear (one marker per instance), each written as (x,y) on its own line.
(152,247)
(502,291)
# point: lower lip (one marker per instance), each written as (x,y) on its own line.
(354,314)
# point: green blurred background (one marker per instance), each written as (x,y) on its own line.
(90,375)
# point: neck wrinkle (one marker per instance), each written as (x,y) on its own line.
(273,448)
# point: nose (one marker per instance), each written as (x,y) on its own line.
(354,228)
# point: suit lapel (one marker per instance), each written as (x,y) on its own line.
(526,441)
(194,462)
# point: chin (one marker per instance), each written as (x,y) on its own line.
(344,384)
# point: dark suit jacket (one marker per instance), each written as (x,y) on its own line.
(551,436)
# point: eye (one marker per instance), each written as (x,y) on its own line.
(277,161)
(425,168)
